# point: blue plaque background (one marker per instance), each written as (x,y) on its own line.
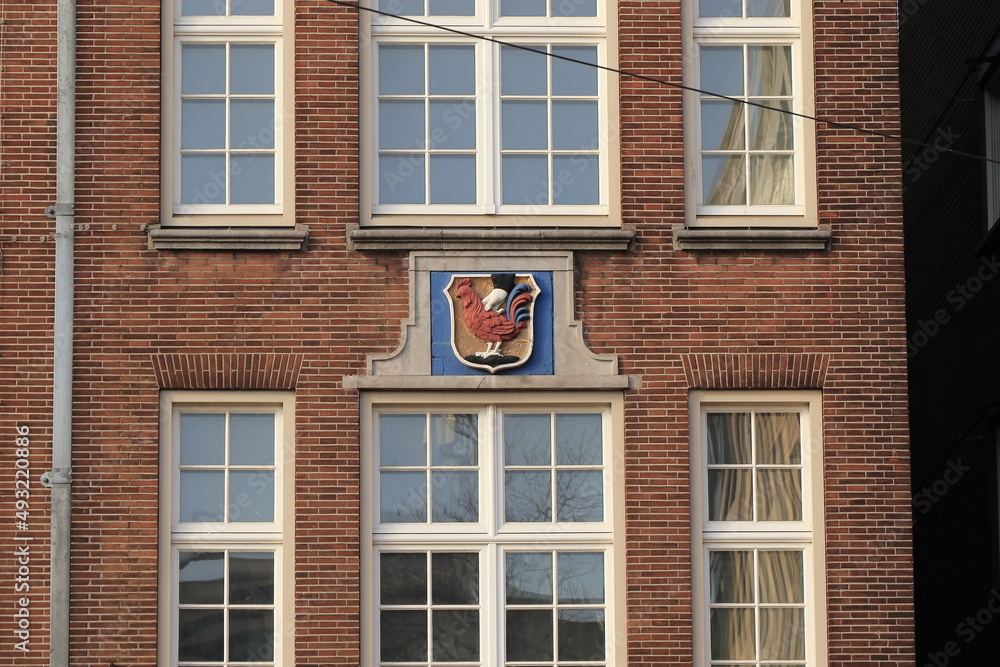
(443,359)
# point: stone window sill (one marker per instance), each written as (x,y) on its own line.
(706,239)
(444,238)
(228,238)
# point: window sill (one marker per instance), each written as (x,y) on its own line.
(817,238)
(228,238)
(412,238)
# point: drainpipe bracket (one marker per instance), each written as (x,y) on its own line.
(57,476)
(60,209)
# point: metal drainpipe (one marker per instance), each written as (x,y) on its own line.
(58,479)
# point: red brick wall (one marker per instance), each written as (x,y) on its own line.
(328,308)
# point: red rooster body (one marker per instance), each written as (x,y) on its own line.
(490,325)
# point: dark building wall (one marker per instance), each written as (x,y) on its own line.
(952,300)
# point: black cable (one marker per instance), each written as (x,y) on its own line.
(643,77)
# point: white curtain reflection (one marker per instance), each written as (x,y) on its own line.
(771,176)
(778,633)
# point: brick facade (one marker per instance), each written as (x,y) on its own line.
(148,320)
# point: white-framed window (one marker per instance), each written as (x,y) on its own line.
(757,508)
(226,585)
(491,530)
(227,121)
(750,161)
(509,119)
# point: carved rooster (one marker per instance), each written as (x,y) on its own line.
(507,314)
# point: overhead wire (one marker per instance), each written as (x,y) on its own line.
(651,79)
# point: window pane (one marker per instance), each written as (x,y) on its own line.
(769,8)
(529,578)
(203,8)
(722,70)
(251,577)
(522,7)
(529,634)
(453,124)
(781,577)
(403,578)
(404,636)
(581,578)
(782,634)
(253,7)
(401,70)
(579,439)
(722,126)
(729,438)
(402,440)
(453,179)
(523,72)
(527,496)
(772,180)
(251,124)
(200,577)
(401,124)
(770,70)
(252,177)
(778,440)
(771,128)
(579,495)
(452,69)
(402,7)
(779,495)
(251,439)
(525,179)
(732,8)
(574,125)
(581,634)
(203,69)
(251,635)
(453,8)
(576,179)
(524,125)
(527,440)
(203,179)
(203,439)
(200,635)
(574,78)
(251,495)
(725,180)
(203,124)
(251,69)
(202,495)
(402,179)
(456,635)
(729,495)
(573,7)
(731,574)
(732,634)
(455,578)
(454,440)
(403,497)
(455,497)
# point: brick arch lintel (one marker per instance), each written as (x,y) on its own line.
(755,371)
(232,371)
